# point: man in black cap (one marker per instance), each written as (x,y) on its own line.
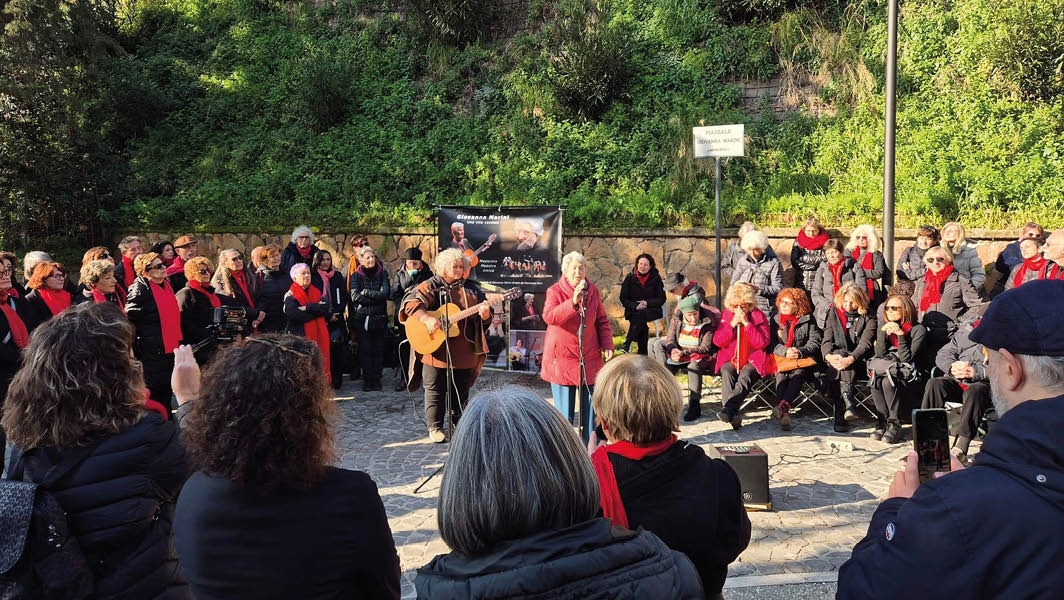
(993,530)
(414,271)
(677,285)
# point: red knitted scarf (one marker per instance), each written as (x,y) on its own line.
(169,315)
(315,330)
(57,300)
(867,263)
(812,243)
(789,322)
(206,291)
(1035,263)
(933,287)
(19,334)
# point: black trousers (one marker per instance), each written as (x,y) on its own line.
(638,332)
(887,398)
(789,384)
(735,385)
(157,373)
(371,354)
(838,384)
(435,382)
(695,371)
(975,401)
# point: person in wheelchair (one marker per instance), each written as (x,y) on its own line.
(690,345)
(893,371)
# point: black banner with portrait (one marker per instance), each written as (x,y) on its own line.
(509,246)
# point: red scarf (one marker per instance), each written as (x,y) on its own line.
(57,300)
(1035,263)
(315,330)
(836,275)
(742,350)
(199,287)
(933,287)
(167,261)
(1055,273)
(904,327)
(609,493)
(100,298)
(304,252)
(812,243)
(19,334)
(242,280)
(169,314)
(153,406)
(128,274)
(789,321)
(867,263)
(642,279)
(177,267)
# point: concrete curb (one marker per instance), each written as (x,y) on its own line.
(780,579)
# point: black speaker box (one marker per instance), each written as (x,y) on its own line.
(751,465)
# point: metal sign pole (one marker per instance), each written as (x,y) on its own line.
(888,139)
(717,219)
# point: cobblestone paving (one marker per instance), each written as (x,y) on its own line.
(822,498)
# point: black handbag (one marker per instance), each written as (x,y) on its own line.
(39,557)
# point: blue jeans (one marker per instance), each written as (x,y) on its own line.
(565,401)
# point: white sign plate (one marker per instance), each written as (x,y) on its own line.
(719,140)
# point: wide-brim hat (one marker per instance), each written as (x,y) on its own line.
(185,240)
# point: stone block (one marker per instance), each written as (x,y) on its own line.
(230,240)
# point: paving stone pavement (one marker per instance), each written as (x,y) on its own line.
(822,498)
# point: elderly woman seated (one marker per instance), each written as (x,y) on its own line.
(545,541)
(742,337)
(759,269)
(649,479)
(690,344)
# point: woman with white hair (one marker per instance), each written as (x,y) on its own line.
(300,250)
(573,312)
(305,311)
(546,541)
(866,251)
(760,270)
(527,316)
(733,253)
(966,261)
(370,290)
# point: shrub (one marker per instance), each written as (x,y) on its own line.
(455,21)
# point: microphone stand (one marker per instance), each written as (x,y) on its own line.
(445,324)
(581,402)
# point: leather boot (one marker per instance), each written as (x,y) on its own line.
(694,407)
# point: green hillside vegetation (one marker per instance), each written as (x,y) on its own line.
(258,114)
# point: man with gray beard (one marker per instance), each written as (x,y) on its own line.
(995,529)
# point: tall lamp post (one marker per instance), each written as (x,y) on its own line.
(888,139)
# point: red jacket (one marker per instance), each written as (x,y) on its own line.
(561,358)
(757,332)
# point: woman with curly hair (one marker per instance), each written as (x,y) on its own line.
(264,515)
(795,336)
(79,426)
(48,296)
(197,302)
(99,284)
(742,336)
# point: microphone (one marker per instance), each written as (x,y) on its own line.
(579,290)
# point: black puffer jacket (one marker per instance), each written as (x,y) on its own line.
(290,256)
(585,561)
(653,293)
(274,286)
(10,354)
(857,339)
(144,314)
(370,292)
(120,505)
(806,263)
(807,337)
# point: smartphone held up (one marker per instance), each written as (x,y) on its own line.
(931,442)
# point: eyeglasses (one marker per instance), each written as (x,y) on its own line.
(6,272)
(204,272)
(105,255)
(278,345)
(56,275)
(303,237)
(892,308)
(861,237)
(156,267)
(936,259)
(237,258)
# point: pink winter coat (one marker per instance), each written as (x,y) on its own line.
(561,357)
(757,332)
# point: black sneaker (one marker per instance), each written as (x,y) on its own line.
(724,416)
(842,427)
(881,427)
(893,433)
(733,419)
(694,412)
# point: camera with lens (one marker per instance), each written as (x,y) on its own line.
(228,323)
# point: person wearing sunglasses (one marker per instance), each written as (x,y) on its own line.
(197,302)
(152,308)
(943,295)
(894,370)
(48,296)
(865,249)
(911,263)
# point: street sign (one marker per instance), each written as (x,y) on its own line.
(719,141)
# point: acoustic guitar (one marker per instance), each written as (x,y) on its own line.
(424,342)
(472,255)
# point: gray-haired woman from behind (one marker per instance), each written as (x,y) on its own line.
(510,440)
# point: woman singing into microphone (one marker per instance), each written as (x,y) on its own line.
(561,356)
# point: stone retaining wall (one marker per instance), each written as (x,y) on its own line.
(610,255)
